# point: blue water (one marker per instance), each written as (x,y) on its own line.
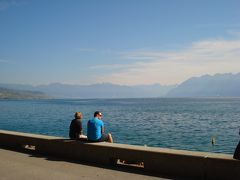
(178,123)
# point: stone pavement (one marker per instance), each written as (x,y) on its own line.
(22,165)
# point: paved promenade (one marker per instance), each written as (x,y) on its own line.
(17,165)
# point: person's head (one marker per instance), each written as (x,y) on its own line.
(78,115)
(98,114)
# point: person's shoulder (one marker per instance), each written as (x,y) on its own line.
(100,121)
(78,121)
(97,119)
(91,120)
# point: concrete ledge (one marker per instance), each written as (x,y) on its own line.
(200,165)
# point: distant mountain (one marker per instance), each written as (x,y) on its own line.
(104,90)
(219,85)
(20,94)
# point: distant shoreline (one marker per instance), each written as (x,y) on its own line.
(52,98)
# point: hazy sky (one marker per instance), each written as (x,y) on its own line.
(123,42)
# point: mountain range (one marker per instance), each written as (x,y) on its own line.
(104,90)
(218,85)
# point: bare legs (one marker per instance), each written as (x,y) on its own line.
(110,139)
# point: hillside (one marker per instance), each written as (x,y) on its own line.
(20,94)
(219,85)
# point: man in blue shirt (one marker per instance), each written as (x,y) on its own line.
(95,129)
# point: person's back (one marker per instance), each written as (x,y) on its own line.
(75,128)
(94,129)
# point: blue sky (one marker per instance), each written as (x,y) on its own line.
(124,42)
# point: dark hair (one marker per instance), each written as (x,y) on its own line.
(97,113)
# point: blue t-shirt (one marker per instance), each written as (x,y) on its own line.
(94,127)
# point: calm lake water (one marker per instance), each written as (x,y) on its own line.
(179,123)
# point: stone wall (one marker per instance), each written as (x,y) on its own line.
(180,163)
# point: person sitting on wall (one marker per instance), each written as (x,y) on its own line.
(75,128)
(236,154)
(95,129)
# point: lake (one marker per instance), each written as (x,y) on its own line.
(178,123)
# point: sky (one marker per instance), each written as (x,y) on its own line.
(126,42)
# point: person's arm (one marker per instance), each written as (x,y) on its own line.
(102,130)
(81,128)
(102,127)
